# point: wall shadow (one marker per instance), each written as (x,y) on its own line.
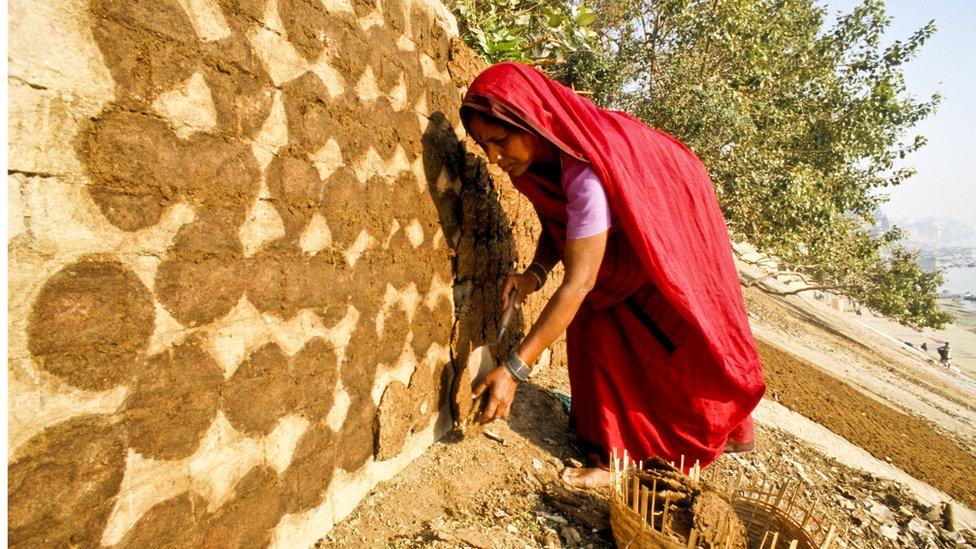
(479,232)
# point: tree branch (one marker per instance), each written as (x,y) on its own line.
(762,286)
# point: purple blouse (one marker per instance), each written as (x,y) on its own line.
(587,209)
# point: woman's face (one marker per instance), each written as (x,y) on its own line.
(514,150)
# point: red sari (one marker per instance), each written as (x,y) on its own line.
(661,358)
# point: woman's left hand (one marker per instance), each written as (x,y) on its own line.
(501,386)
(523,284)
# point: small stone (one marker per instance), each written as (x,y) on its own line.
(571,536)
(919,527)
(444,536)
(500,513)
(949,516)
(530,480)
(512,529)
(473,538)
(800,470)
(554,518)
(954,537)
(494,436)
(536,464)
(891,500)
(881,513)
(889,531)
(552,540)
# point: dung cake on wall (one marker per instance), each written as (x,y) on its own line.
(247,250)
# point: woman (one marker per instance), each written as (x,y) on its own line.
(661,358)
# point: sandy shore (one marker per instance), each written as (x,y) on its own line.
(965,312)
(961,336)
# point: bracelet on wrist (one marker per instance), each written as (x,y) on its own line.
(517,367)
(539,272)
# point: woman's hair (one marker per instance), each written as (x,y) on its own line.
(467,112)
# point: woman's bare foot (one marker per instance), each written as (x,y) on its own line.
(586,477)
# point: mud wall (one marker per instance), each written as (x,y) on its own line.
(248,255)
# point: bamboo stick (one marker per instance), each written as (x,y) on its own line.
(809,512)
(692,538)
(782,492)
(635,493)
(623,489)
(789,505)
(653,500)
(738,482)
(664,518)
(727,529)
(645,493)
(829,538)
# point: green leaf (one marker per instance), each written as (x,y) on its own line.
(585,17)
(506,45)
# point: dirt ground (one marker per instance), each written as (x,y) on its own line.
(905,441)
(494,489)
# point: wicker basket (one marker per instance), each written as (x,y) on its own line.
(630,531)
(773,516)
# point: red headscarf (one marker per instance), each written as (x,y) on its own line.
(664,200)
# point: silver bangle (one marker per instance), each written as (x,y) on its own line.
(539,272)
(517,367)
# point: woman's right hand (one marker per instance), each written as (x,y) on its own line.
(501,386)
(523,284)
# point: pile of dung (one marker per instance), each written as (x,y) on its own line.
(692,505)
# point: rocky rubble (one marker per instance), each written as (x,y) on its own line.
(873,512)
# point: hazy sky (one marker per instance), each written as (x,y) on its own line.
(945,185)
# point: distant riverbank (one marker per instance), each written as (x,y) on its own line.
(959,280)
(965,312)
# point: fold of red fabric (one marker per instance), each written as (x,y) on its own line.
(662,354)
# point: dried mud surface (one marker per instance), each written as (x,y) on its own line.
(91,324)
(62,483)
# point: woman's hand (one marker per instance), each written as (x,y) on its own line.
(501,386)
(524,284)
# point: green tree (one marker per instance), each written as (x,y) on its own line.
(802,124)
(802,121)
(539,32)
